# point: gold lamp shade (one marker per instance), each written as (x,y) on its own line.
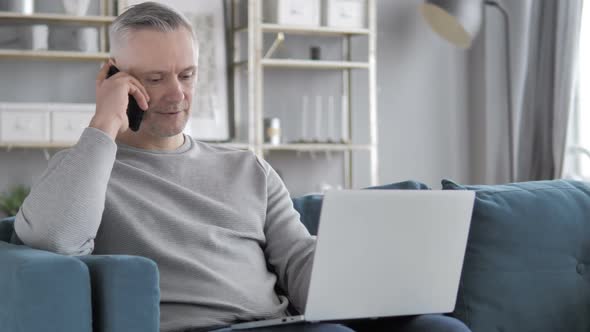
(457,21)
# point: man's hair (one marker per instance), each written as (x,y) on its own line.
(146,15)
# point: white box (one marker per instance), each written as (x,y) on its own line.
(345,13)
(68,121)
(23,123)
(66,127)
(292,12)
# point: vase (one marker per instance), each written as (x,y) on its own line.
(76,7)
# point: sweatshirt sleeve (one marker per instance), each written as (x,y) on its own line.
(64,209)
(289,246)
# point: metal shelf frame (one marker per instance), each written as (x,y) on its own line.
(255,64)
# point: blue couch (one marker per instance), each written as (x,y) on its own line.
(525,269)
(43,291)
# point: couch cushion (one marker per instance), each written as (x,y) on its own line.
(526,265)
(310,206)
(43,291)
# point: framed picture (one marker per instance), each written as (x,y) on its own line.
(210,119)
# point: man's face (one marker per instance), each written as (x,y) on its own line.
(165,63)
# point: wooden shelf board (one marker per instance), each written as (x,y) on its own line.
(54,18)
(313,64)
(316,147)
(306,30)
(54,55)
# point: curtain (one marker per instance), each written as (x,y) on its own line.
(548,90)
(543,37)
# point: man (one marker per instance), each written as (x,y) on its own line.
(218,222)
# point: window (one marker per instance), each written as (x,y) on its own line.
(578,156)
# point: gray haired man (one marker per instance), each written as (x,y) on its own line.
(214,219)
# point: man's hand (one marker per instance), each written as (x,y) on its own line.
(112,97)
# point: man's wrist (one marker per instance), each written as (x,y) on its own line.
(109,127)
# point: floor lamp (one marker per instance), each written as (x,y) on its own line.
(458,21)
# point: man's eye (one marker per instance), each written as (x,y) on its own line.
(186,77)
(154,80)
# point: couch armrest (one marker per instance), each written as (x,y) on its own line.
(125,293)
(43,291)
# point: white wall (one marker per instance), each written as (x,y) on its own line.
(422,99)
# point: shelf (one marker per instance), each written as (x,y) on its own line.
(309,64)
(316,147)
(305,30)
(35,145)
(313,64)
(55,18)
(54,55)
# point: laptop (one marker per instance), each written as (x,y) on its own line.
(383,253)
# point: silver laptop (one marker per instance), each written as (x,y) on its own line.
(382,253)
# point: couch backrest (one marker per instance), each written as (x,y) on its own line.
(527,265)
(310,206)
(6,229)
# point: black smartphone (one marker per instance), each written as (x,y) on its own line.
(134,112)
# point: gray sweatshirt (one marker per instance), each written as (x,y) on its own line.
(219,223)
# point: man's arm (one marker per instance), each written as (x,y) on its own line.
(63,211)
(289,246)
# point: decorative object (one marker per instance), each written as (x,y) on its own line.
(331,120)
(345,133)
(277,42)
(210,119)
(292,12)
(11,201)
(315,53)
(458,21)
(317,135)
(345,13)
(87,39)
(18,6)
(40,34)
(272,131)
(304,115)
(76,7)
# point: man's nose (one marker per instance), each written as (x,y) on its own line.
(174,92)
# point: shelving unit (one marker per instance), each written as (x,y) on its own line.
(256,64)
(101,21)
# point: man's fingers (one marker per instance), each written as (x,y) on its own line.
(102,73)
(138,84)
(139,96)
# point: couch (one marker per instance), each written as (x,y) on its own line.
(527,262)
(525,269)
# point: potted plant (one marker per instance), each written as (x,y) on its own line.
(12,200)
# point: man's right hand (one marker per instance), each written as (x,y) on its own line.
(112,97)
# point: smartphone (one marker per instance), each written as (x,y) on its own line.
(134,112)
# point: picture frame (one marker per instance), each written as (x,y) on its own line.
(210,120)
